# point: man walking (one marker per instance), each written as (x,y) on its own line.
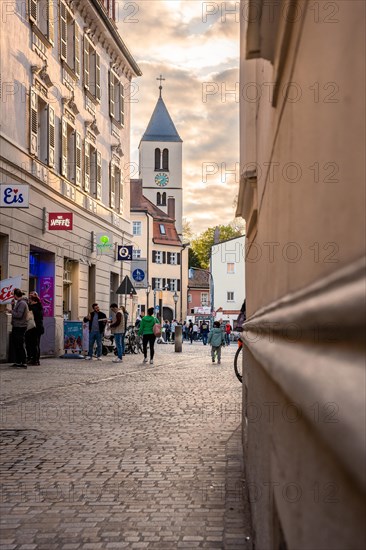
(204,332)
(97,321)
(118,330)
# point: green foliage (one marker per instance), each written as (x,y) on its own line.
(193,260)
(201,245)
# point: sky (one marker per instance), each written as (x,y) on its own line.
(195,46)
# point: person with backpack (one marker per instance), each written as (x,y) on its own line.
(146,330)
(216,339)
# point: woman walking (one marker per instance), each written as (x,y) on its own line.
(33,336)
(146,330)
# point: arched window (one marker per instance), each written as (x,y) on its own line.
(157,159)
(163,201)
(158,199)
(165,159)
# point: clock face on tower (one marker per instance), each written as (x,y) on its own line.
(161,179)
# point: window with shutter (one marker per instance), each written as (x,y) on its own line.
(78,159)
(87,166)
(99,175)
(33,146)
(153,283)
(50,21)
(178,258)
(76,49)
(86,63)
(164,257)
(112,185)
(51,136)
(178,285)
(97,77)
(154,256)
(64,147)
(121,104)
(33,10)
(63,31)
(111,93)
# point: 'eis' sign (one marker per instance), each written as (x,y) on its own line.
(14,196)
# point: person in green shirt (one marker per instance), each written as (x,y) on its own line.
(146,330)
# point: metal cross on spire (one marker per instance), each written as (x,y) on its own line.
(160,79)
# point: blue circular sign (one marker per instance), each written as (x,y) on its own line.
(138,275)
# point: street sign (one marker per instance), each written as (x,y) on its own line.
(139,273)
(126,287)
(124,253)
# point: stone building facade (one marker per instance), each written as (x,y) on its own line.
(65,136)
(301,193)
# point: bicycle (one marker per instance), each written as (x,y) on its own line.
(238,361)
(133,342)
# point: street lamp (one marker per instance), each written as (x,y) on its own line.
(147,290)
(175,298)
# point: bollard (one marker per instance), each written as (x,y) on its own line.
(178,338)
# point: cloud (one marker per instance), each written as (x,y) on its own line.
(197,52)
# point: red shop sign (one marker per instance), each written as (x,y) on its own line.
(59,221)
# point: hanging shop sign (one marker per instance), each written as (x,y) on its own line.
(124,253)
(104,243)
(14,195)
(7,287)
(60,221)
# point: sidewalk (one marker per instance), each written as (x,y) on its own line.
(99,455)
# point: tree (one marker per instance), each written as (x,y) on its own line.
(201,245)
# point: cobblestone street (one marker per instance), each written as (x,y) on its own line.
(97,455)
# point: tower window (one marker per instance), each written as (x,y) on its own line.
(157,159)
(165,159)
(158,199)
(163,200)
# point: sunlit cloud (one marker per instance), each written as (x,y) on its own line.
(195,56)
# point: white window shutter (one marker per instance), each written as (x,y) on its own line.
(33,10)
(87,166)
(50,22)
(97,76)
(86,63)
(122,103)
(111,94)
(76,49)
(51,136)
(64,147)
(99,175)
(78,159)
(112,184)
(120,188)
(63,31)
(33,146)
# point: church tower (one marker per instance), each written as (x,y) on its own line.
(160,153)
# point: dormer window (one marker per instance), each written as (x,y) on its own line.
(162,229)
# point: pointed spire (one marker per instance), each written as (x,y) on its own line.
(160,87)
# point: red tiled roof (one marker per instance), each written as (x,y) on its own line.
(200,279)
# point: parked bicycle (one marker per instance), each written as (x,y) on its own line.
(133,342)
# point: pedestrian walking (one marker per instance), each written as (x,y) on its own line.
(167,331)
(33,336)
(173,325)
(228,330)
(204,330)
(217,340)
(97,322)
(190,331)
(19,315)
(184,330)
(195,331)
(117,327)
(146,330)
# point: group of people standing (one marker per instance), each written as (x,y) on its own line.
(97,322)
(27,329)
(169,330)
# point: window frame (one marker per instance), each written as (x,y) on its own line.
(227,296)
(136,224)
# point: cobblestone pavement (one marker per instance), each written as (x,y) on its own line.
(98,455)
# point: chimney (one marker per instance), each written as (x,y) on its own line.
(171,207)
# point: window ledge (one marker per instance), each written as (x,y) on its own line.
(43,38)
